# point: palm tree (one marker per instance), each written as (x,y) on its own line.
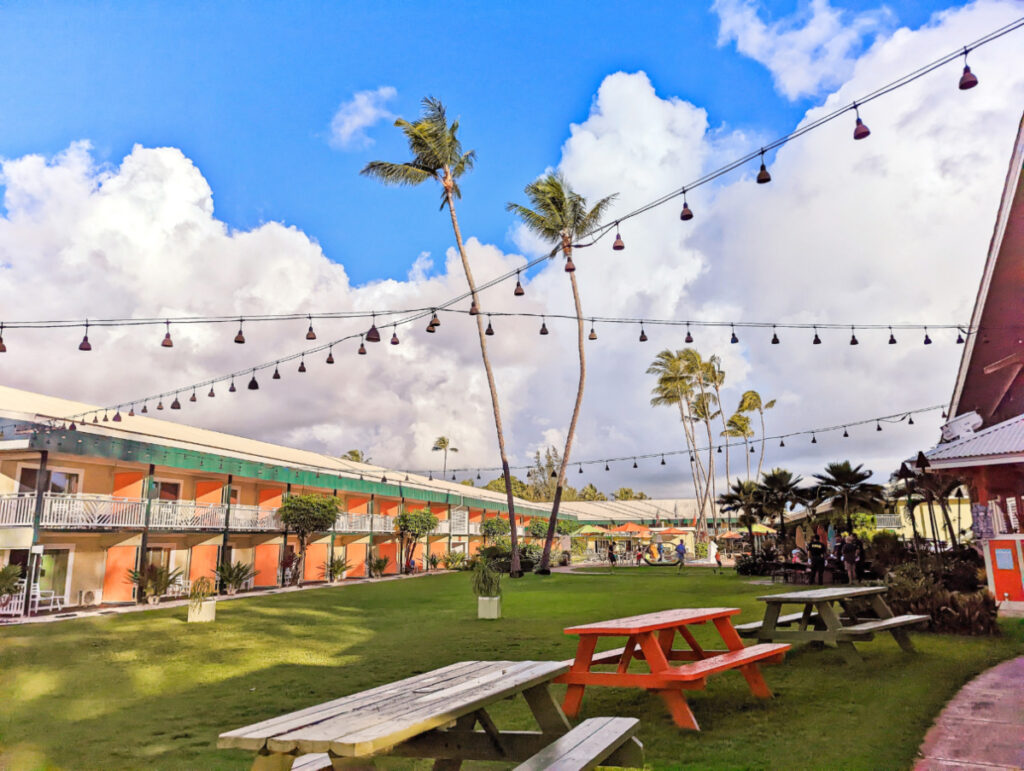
(779,490)
(358,456)
(739,426)
(443,443)
(559,216)
(437,155)
(717,377)
(705,409)
(751,402)
(846,485)
(745,496)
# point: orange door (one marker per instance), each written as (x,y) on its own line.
(128,484)
(267,557)
(116,586)
(314,569)
(203,562)
(209,492)
(389,549)
(356,560)
(1007,571)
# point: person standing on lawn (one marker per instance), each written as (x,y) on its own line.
(817,552)
(850,551)
(680,556)
(611,555)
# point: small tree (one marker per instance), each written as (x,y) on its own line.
(305,515)
(537,528)
(491,529)
(411,526)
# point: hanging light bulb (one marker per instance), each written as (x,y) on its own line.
(167,342)
(131,412)
(581,469)
(691,458)
(763,177)
(302,364)
(519,291)
(593,334)
(853,337)
(968,79)
(330,355)
(689,338)
(310,334)
(634,463)
(878,426)
(733,339)
(144,409)
(453,476)
(192,398)
(430,328)
(775,336)
(394,335)
(860,130)
(434,320)
(372,335)
(751,450)
(686,213)
(95,419)
(892,337)
(816,340)
(543,326)
(662,460)
(719,449)
(474,309)
(570,267)
(175,405)
(231,388)
(490,330)
(606,467)
(362,348)
(927,339)
(814,439)
(85,345)
(240,338)
(619,244)
(159,405)
(211,394)
(782,443)
(910,420)
(846,434)
(643,335)
(959,337)
(276,375)
(253,385)
(117,416)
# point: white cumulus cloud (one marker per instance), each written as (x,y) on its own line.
(354,116)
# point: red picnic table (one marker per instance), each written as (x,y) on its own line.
(649,639)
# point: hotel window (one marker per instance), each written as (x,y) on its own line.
(166,491)
(60,481)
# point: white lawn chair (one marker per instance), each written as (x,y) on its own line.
(45,599)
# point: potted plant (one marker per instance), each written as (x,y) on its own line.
(487,588)
(201,605)
(154,581)
(433,560)
(378,565)
(334,570)
(234,576)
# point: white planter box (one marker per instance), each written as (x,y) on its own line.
(207,611)
(488,607)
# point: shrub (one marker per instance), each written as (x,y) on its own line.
(202,589)
(491,529)
(537,528)
(234,576)
(530,551)
(912,590)
(759,564)
(701,549)
(335,569)
(154,580)
(378,565)
(433,560)
(9,577)
(453,560)
(486,581)
(886,551)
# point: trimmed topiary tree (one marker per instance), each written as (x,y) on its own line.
(306,515)
(411,526)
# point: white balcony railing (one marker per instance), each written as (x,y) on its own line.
(17,509)
(442,528)
(472,528)
(245,517)
(92,511)
(364,523)
(186,515)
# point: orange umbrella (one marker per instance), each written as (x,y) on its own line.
(631,527)
(675,531)
(732,535)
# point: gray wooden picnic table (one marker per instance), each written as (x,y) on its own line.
(432,715)
(819,622)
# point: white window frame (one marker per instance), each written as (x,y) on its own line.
(70,547)
(63,469)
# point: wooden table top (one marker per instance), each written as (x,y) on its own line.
(818,595)
(648,622)
(375,720)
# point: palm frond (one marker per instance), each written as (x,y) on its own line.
(397,173)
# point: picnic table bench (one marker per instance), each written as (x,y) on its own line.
(819,622)
(435,715)
(650,639)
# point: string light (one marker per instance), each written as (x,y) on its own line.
(618,245)
(330,355)
(434,320)
(253,385)
(763,177)
(892,337)
(775,337)
(192,398)
(544,326)
(853,337)
(310,334)
(372,335)
(643,335)
(686,214)
(490,329)
(240,337)
(570,267)
(860,131)
(277,373)
(816,340)
(211,394)
(474,309)
(167,342)
(689,338)
(3,346)
(733,339)
(302,365)
(85,345)
(593,334)
(927,339)
(394,335)
(968,79)
(362,348)
(176,405)
(846,434)
(518,291)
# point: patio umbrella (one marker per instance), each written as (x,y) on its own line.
(732,535)
(673,532)
(760,529)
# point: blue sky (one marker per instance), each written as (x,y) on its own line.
(247,91)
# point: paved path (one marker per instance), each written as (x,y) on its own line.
(983,726)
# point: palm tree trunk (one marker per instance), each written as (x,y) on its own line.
(545,558)
(699,479)
(514,570)
(444,471)
(760,460)
(725,430)
(711,474)
(944,508)
(746,451)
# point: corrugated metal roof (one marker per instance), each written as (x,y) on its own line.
(1006,438)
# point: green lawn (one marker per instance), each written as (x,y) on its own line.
(148,690)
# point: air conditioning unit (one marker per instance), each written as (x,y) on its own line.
(90,597)
(961,426)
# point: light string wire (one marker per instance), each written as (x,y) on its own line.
(896,417)
(601,231)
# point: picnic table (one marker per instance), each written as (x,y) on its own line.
(649,638)
(434,715)
(819,622)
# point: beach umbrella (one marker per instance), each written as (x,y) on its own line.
(732,535)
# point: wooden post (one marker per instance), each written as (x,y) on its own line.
(42,483)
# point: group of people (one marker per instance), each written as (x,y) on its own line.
(848,549)
(713,555)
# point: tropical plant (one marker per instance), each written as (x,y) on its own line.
(200,591)
(305,515)
(433,560)
(154,580)
(751,401)
(358,456)
(486,580)
(411,526)
(334,570)
(780,490)
(846,486)
(378,566)
(10,575)
(290,568)
(444,444)
(559,215)
(234,576)
(492,529)
(519,488)
(537,529)
(437,155)
(591,493)
(453,560)
(744,496)
(738,426)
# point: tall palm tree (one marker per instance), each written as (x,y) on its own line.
(738,426)
(846,485)
(359,456)
(705,409)
(745,495)
(674,387)
(751,402)
(780,490)
(437,155)
(559,216)
(444,444)
(717,378)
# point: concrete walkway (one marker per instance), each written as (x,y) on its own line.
(983,726)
